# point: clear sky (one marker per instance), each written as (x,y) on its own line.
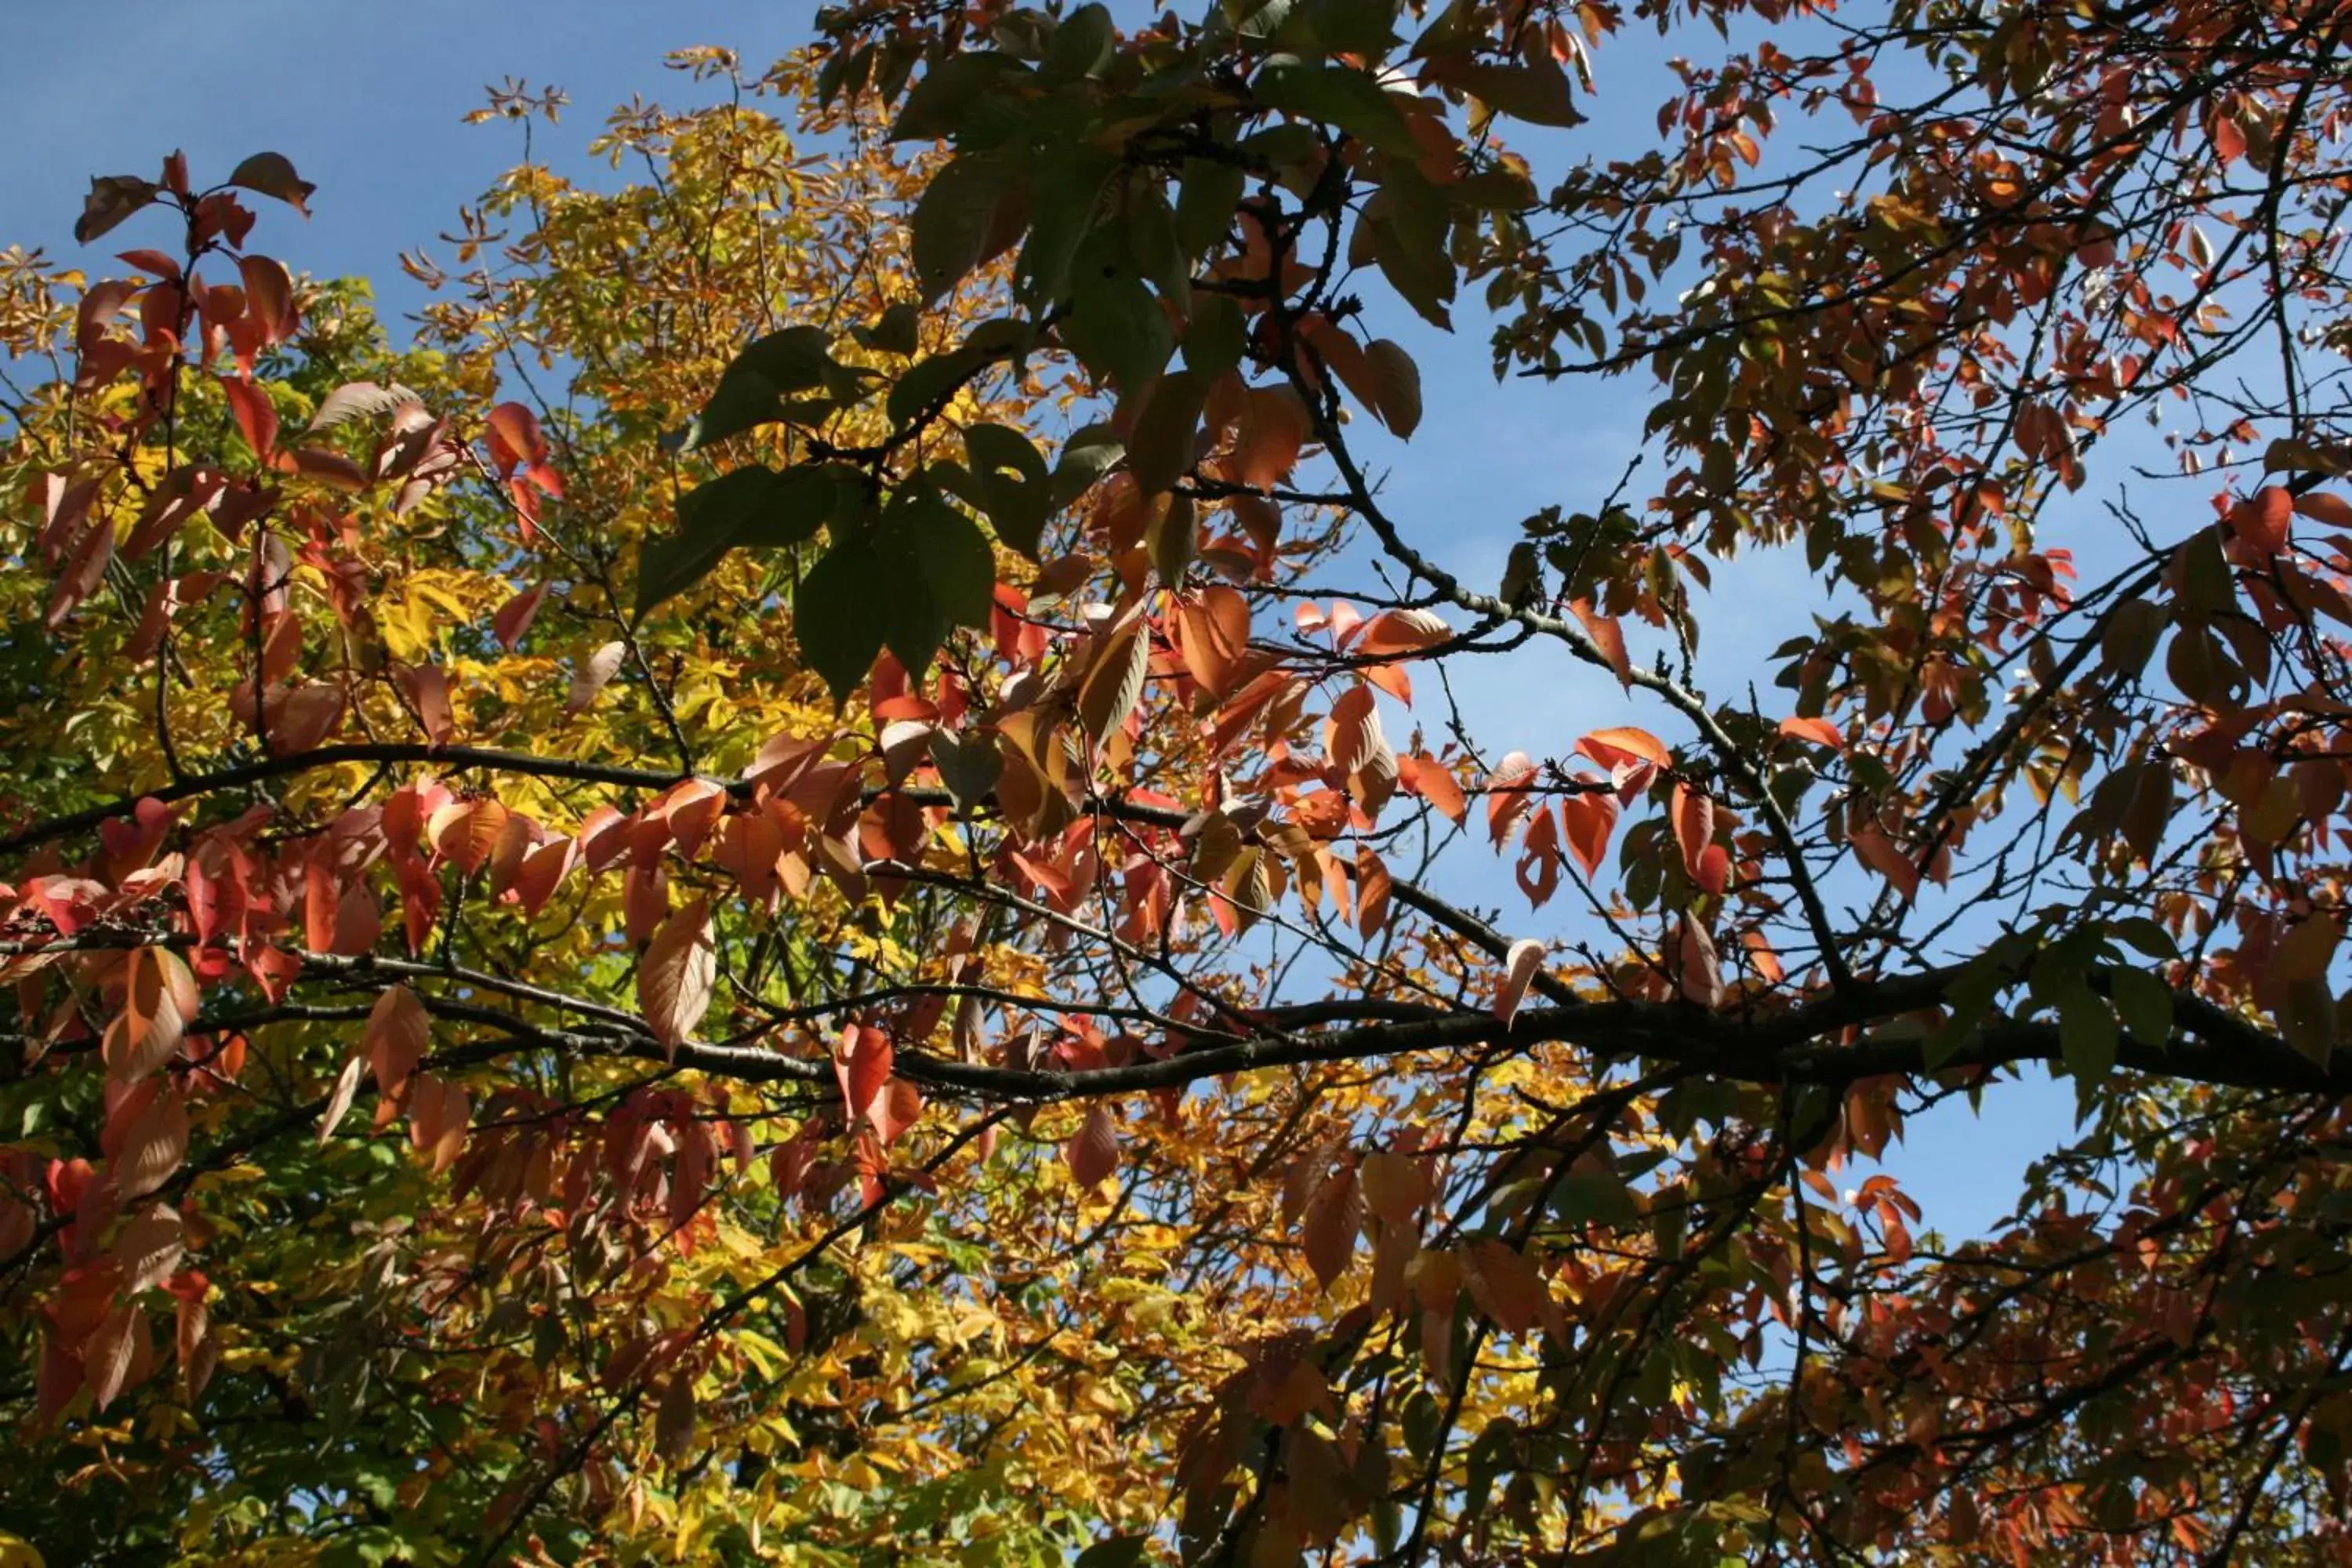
(366,99)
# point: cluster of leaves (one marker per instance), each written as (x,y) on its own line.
(955,1033)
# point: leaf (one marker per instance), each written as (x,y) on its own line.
(513,618)
(1092,1152)
(160,1001)
(1589,817)
(1879,853)
(111,1350)
(1395,387)
(836,617)
(359,400)
(1113,683)
(397,1034)
(677,974)
(112,198)
(1611,747)
(673,1420)
(1160,452)
(1336,95)
(153,1146)
(954,219)
(2087,1035)
(969,766)
(339,1099)
(1393,632)
(1327,1238)
(148,1247)
(592,674)
(1693,820)
(1820,732)
(754,505)
(1116,1552)
(1521,965)
(272,175)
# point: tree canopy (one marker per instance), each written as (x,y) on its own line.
(847,874)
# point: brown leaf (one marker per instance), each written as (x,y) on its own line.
(153,1147)
(1333,1218)
(590,675)
(339,1100)
(398,1031)
(148,1247)
(1521,965)
(677,975)
(1092,1153)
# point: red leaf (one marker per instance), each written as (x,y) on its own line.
(256,417)
(861,1062)
(515,437)
(1879,853)
(1092,1153)
(153,1146)
(514,617)
(1694,819)
(2263,519)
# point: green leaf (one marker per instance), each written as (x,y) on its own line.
(709,519)
(1011,484)
(940,102)
(751,506)
(2087,1035)
(955,220)
(893,332)
(2143,1003)
(739,403)
(1160,452)
(969,766)
(1206,198)
(1334,95)
(1081,46)
(793,360)
(1119,1552)
(837,614)
(1068,195)
(1116,326)
(930,381)
(1214,335)
(922,539)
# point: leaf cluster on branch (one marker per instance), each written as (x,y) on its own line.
(817,886)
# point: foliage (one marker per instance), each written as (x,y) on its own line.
(859,940)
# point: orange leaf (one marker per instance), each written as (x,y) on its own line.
(1694,819)
(1433,781)
(1820,732)
(1879,853)
(1611,747)
(1590,818)
(1610,639)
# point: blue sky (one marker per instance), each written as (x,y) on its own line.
(366,99)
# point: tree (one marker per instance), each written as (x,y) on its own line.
(1060,1084)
